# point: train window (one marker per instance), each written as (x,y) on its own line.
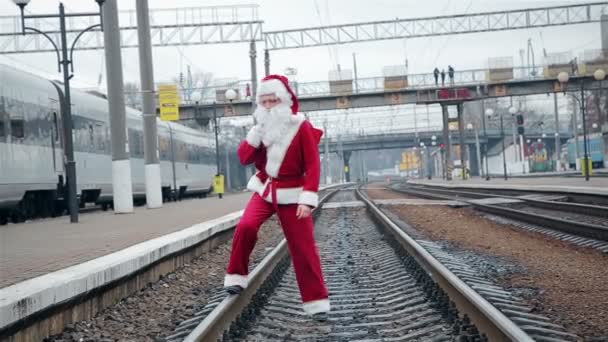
(56,126)
(91,137)
(17,128)
(3,118)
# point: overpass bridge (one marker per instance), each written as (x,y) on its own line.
(345,146)
(466,88)
(411,139)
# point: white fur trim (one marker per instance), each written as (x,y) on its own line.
(309,198)
(316,306)
(255,184)
(254,138)
(235,279)
(276,152)
(276,87)
(285,195)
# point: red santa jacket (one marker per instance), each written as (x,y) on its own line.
(289,170)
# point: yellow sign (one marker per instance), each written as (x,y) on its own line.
(346,169)
(218,184)
(169,102)
(453,126)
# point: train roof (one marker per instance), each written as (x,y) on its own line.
(10,76)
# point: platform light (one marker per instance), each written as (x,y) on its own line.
(599,74)
(544,135)
(594,125)
(489,112)
(512,110)
(230,94)
(21,3)
(469,126)
(563,77)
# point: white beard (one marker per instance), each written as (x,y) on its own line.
(273,123)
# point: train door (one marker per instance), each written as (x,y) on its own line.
(56,137)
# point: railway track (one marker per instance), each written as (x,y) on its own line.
(384,286)
(582,220)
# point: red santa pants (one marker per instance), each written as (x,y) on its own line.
(300,239)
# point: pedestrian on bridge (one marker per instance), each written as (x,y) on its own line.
(442,77)
(283,146)
(436,75)
(451,74)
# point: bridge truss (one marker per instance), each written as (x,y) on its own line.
(436,26)
(169,27)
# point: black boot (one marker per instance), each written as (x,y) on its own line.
(233,289)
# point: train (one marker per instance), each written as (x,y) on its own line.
(32,164)
(596,151)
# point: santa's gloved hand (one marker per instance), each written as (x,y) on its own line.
(254,137)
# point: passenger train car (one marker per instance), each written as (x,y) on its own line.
(595,144)
(32,172)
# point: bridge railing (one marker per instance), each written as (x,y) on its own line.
(426,136)
(361,85)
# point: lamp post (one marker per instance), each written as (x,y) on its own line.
(563,78)
(230,95)
(477,148)
(65,64)
(490,113)
(428,161)
(485,134)
(422,160)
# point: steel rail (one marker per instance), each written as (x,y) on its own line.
(579,228)
(219,320)
(487,318)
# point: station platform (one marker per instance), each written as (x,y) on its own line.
(32,249)
(576,185)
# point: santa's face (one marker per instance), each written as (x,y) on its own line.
(268,101)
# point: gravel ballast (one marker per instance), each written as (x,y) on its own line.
(566,282)
(154,312)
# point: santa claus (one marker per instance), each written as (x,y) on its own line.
(283,146)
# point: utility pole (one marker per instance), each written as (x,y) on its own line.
(463,150)
(448,145)
(226,149)
(267,62)
(326,166)
(154,198)
(557,142)
(121,165)
(485,134)
(478,150)
(254,72)
(575,129)
(504,154)
(355,68)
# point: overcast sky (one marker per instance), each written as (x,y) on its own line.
(463,51)
(468,51)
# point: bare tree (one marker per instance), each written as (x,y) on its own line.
(195,85)
(133,95)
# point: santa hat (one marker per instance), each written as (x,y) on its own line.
(278,85)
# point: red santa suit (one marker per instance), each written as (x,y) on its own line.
(284,148)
